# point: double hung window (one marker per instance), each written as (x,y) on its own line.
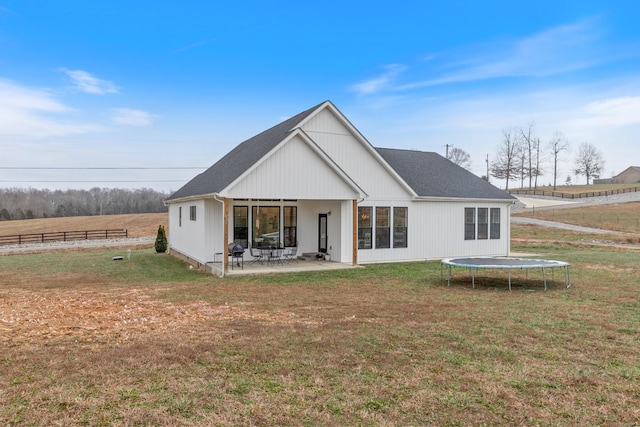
(469,223)
(365,231)
(481,223)
(388,228)
(495,223)
(383,230)
(400,227)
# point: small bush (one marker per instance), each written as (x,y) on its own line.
(161,240)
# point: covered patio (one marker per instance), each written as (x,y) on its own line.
(248,268)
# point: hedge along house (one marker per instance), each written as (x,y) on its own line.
(315,182)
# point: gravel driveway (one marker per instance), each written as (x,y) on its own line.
(77,244)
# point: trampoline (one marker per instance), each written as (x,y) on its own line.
(506,263)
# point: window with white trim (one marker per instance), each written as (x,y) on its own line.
(192,213)
(400,227)
(483,223)
(469,223)
(383,230)
(495,223)
(365,231)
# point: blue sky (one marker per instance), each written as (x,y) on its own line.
(126,90)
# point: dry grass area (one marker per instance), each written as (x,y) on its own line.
(621,217)
(88,341)
(532,235)
(138,225)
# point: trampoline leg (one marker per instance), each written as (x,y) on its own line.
(473,278)
(509,279)
(567,277)
(449,278)
(544,278)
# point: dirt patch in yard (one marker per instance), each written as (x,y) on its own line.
(92,319)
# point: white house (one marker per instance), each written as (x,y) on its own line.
(315,182)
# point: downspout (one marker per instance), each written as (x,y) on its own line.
(224,246)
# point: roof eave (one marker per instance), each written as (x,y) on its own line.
(191,198)
(463,199)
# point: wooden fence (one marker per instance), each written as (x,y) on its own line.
(563,195)
(63,236)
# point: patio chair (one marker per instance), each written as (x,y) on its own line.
(276,256)
(291,254)
(257,256)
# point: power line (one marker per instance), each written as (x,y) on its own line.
(96,168)
(87,181)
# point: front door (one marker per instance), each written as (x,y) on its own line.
(322,233)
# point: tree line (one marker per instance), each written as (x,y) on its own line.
(522,157)
(17,203)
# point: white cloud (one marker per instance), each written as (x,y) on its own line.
(377,84)
(87,83)
(552,51)
(25,113)
(132,117)
(613,112)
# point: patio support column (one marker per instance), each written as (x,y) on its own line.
(225,234)
(354,243)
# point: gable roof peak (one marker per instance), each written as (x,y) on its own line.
(244,156)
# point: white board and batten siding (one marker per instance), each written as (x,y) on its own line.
(352,155)
(436,230)
(443,223)
(198,239)
(293,171)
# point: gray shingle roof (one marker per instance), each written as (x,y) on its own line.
(431,175)
(240,159)
(428,174)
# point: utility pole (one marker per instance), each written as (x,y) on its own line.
(487,160)
(447,150)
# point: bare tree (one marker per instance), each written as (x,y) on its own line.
(459,157)
(537,168)
(589,161)
(528,147)
(557,145)
(521,162)
(504,166)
